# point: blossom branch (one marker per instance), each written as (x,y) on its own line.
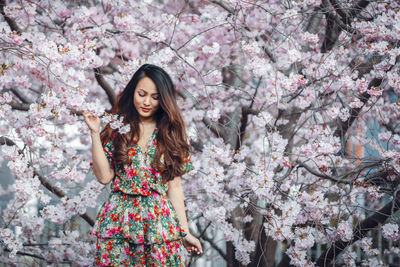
(341,179)
(21,96)
(105,85)
(19,106)
(21,253)
(214,127)
(224,6)
(46,183)
(334,26)
(342,13)
(354,112)
(13,25)
(359,232)
(209,240)
(214,246)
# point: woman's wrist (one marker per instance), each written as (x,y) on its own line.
(187,235)
(94,133)
(186,229)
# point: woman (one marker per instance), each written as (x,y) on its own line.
(143,222)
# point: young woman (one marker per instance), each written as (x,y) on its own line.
(143,222)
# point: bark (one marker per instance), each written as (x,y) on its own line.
(285,262)
(106,87)
(230,255)
(265,250)
(228,8)
(231,76)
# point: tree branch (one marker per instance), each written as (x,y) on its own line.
(358,7)
(342,13)
(19,106)
(354,112)
(341,178)
(49,186)
(332,32)
(13,25)
(359,232)
(192,8)
(245,118)
(214,246)
(21,253)
(224,6)
(334,25)
(21,96)
(215,128)
(104,84)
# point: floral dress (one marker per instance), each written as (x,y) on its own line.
(137,225)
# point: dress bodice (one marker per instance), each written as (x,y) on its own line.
(139,178)
(138,207)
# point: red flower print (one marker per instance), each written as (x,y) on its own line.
(132,152)
(186,160)
(156,211)
(114,217)
(117,230)
(134,216)
(130,173)
(109,246)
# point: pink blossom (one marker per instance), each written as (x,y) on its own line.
(375,91)
(215,114)
(391,231)
(344,114)
(5,98)
(344,231)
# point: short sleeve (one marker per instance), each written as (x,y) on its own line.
(187,165)
(108,151)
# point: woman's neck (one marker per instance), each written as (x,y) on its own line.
(151,123)
(147,120)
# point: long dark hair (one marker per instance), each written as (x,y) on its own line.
(171,137)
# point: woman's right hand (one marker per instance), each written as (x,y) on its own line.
(93,122)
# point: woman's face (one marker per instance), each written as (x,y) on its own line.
(146,99)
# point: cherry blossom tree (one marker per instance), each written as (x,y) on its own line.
(274,94)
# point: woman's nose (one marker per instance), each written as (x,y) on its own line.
(147,100)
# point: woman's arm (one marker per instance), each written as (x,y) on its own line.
(175,194)
(101,167)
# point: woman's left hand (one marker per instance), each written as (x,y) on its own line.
(192,244)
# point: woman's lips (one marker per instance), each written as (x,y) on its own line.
(145,110)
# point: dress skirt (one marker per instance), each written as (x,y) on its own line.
(120,252)
(138,230)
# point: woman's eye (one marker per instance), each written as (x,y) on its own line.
(141,94)
(156,98)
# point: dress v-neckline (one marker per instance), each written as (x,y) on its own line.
(146,148)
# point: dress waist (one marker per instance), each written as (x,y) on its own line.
(143,219)
(144,186)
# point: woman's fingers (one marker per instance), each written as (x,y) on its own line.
(193,245)
(198,246)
